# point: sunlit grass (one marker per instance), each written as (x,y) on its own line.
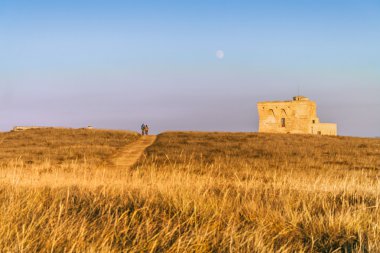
(202,192)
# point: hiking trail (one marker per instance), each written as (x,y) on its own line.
(131,153)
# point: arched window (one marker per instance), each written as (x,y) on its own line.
(271,112)
(271,117)
(283,113)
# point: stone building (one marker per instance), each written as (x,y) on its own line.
(298,116)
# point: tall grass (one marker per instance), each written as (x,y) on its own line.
(202,192)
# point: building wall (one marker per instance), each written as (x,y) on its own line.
(324,129)
(296,116)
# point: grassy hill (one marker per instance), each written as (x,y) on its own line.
(194,192)
(60,146)
(276,151)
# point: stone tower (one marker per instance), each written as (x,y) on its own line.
(296,116)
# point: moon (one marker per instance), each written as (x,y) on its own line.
(219,54)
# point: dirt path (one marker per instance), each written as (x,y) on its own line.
(130,154)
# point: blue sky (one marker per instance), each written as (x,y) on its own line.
(115,64)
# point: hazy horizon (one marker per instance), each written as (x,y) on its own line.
(199,65)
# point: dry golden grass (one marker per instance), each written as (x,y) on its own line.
(201,192)
(62,146)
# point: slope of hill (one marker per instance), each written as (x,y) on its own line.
(274,151)
(59,145)
(203,192)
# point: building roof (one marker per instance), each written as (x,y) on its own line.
(296,98)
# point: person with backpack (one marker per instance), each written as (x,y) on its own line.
(143,126)
(146,130)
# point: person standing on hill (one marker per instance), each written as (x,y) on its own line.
(146,130)
(143,126)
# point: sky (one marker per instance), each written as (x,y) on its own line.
(187,65)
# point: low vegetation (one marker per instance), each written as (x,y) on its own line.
(195,192)
(62,146)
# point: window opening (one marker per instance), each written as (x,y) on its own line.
(282,122)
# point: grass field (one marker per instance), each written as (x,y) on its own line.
(62,146)
(191,192)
